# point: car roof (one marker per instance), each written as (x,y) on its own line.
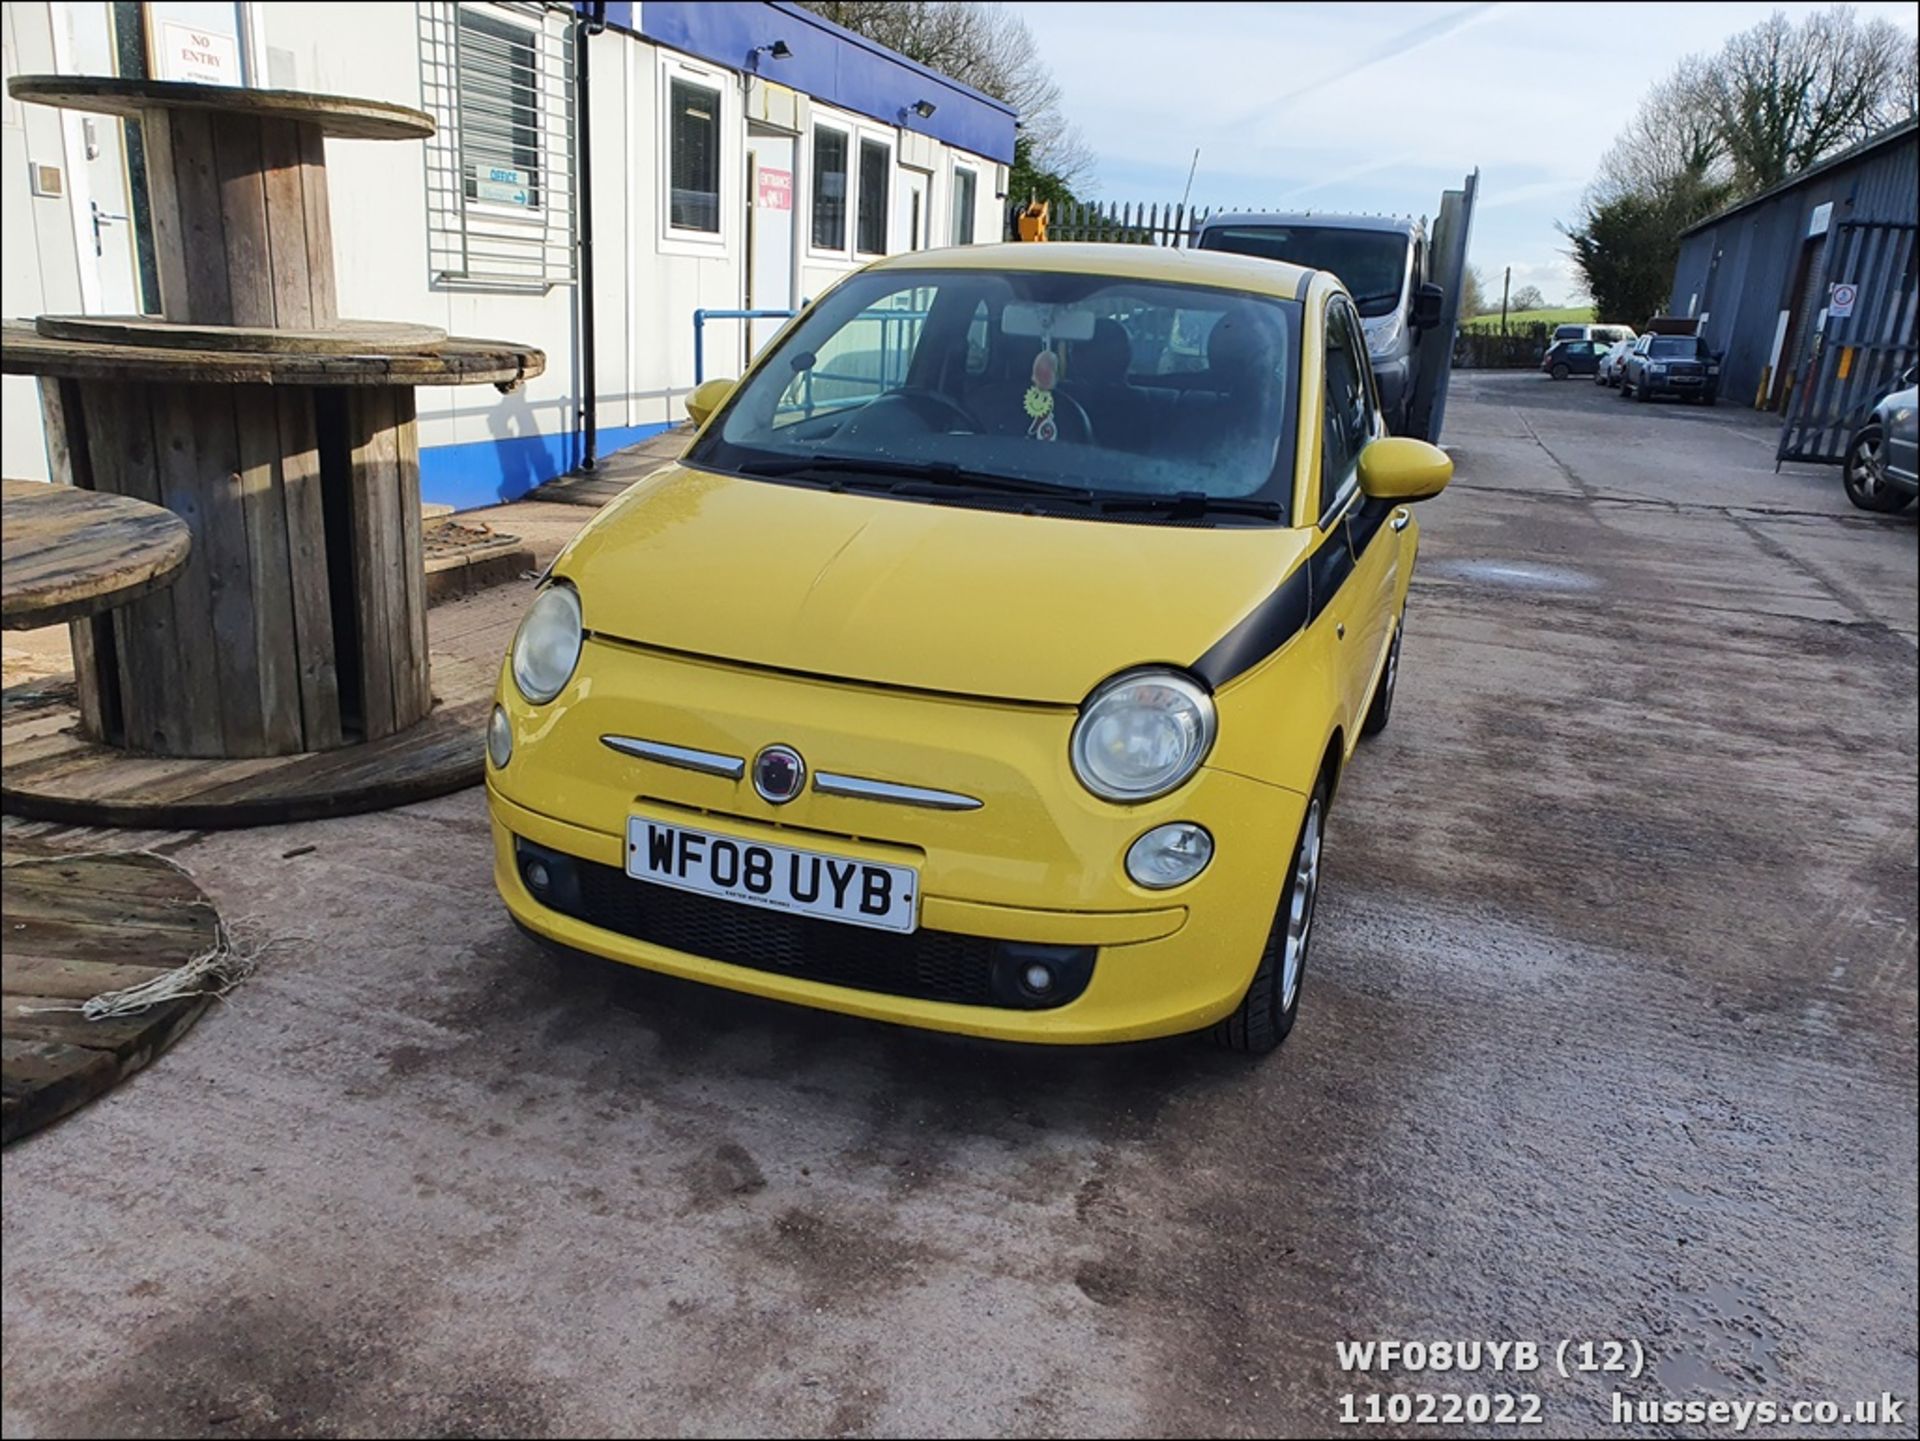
(1389,224)
(1214,268)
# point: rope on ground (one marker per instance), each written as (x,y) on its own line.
(213,972)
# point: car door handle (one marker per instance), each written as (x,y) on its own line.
(1400,518)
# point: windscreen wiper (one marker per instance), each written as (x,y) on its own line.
(1191,504)
(909,476)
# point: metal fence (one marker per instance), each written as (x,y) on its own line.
(1115,223)
(1855,357)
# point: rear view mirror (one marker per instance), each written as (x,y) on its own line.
(1062,322)
(707,398)
(1427,301)
(1400,468)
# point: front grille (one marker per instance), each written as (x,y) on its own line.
(926,965)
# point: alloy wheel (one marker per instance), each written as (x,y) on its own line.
(1300,898)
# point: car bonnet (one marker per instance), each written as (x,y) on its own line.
(896,592)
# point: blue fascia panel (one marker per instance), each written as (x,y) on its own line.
(829,63)
(486,472)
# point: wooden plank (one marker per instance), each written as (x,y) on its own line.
(269,568)
(201,222)
(311,593)
(188,663)
(373,448)
(286,197)
(90,784)
(72,552)
(121,453)
(456,362)
(71,978)
(235,640)
(137,99)
(97,696)
(125,1038)
(163,197)
(319,222)
(131,874)
(413,684)
(41,1081)
(243,216)
(347,337)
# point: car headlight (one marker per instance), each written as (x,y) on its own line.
(1141,734)
(1658,367)
(1382,333)
(547,646)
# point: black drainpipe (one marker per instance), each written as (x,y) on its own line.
(592,23)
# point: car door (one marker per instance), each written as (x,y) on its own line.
(1357,563)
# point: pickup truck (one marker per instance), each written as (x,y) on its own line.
(1404,282)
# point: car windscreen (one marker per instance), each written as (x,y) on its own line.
(1570,332)
(966,382)
(1674,347)
(1372,264)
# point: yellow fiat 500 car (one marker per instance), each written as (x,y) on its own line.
(989,660)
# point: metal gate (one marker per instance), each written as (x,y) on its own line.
(1855,357)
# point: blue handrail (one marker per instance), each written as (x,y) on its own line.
(701,317)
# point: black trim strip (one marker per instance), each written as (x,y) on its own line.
(1295,605)
(1364,522)
(1262,631)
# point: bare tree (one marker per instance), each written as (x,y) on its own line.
(1473,295)
(1672,142)
(983,45)
(1528,297)
(1784,96)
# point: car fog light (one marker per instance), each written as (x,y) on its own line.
(1169,855)
(499,739)
(1038,979)
(538,878)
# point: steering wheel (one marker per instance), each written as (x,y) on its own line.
(933,413)
(1070,414)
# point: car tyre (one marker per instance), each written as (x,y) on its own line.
(1267,1011)
(1560,371)
(1381,710)
(1866,484)
(1640,392)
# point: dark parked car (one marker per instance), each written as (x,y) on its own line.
(1671,365)
(1883,457)
(1573,357)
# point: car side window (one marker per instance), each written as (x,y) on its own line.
(1346,410)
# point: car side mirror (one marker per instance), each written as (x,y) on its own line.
(707,398)
(1400,468)
(1427,301)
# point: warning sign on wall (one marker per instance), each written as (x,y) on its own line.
(196,52)
(1840,304)
(775,189)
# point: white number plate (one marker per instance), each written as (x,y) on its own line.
(779,878)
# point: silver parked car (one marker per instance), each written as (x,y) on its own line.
(1612,362)
(1883,459)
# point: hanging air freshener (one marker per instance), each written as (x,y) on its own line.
(1039,402)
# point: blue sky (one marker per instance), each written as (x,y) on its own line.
(1376,107)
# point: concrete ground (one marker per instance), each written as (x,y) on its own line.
(1609,1033)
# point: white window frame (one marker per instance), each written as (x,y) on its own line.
(847,131)
(674,239)
(493,210)
(856,130)
(953,203)
(887,142)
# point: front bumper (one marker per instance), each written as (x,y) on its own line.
(1680,384)
(1041,864)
